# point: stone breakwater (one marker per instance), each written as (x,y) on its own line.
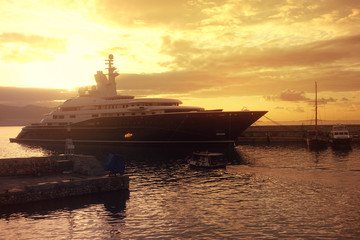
(42,178)
(288,132)
(81,164)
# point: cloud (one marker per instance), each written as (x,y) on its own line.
(33,96)
(296,109)
(188,54)
(23,48)
(118,50)
(291,95)
(241,67)
(294,96)
(326,100)
(185,14)
(164,83)
(155,13)
(288,95)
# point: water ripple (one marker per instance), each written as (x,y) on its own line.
(273,192)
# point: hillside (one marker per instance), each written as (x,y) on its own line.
(20,116)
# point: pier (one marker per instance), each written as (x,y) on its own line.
(288,133)
(42,178)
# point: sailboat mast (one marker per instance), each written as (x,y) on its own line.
(316,130)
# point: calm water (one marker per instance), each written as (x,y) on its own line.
(268,192)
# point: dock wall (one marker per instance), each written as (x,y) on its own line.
(288,132)
(81,164)
(67,188)
(32,179)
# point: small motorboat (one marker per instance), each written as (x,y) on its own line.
(339,136)
(207,160)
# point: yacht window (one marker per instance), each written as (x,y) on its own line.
(69,109)
(61,116)
(55,116)
(72,116)
(95,115)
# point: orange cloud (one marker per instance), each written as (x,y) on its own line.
(289,95)
(139,13)
(324,61)
(165,83)
(22,48)
(186,54)
(184,14)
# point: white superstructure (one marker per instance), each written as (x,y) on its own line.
(102,101)
(339,132)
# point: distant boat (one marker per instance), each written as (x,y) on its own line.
(339,136)
(316,139)
(207,160)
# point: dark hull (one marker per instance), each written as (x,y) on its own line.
(316,143)
(197,127)
(341,142)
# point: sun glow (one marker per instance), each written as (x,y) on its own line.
(224,54)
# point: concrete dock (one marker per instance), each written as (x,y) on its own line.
(41,178)
(288,133)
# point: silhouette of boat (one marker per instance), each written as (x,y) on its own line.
(209,160)
(316,139)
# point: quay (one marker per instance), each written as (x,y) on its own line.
(32,179)
(288,133)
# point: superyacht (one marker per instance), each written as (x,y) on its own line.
(100,115)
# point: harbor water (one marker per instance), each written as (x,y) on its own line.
(268,191)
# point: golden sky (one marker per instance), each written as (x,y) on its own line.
(230,54)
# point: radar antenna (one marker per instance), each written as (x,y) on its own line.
(111,69)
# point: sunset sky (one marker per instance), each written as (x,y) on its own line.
(230,54)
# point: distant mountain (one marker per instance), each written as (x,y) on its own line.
(21,116)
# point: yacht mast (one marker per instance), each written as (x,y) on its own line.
(316,128)
(111,69)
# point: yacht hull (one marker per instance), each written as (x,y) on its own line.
(193,127)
